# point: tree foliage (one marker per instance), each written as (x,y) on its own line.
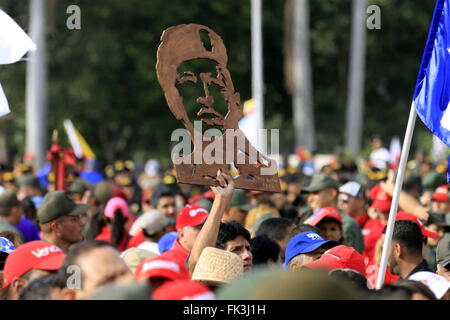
(103,76)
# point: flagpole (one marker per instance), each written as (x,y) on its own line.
(355,90)
(36,86)
(396,195)
(305,134)
(257,67)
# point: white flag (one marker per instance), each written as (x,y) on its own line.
(14,43)
(395,150)
(70,130)
(4,108)
(249,123)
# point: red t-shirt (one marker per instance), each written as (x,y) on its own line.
(130,221)
(362,220)
(371,233)
(105,235)
(177,253)
(372,275)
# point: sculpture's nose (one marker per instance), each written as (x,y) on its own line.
(206,101)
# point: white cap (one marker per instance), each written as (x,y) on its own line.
(352,188)
(438,284)
(152,221)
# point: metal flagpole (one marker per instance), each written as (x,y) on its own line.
(36,90)
(257,66)
(396,195)
(302,95)
(355,93)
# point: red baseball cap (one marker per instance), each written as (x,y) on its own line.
(325,212)
(382,201)
(183,290)
(441,193)
(191,215)
(401,215)
(161,267)
(340,257)
(209,195)
(32,255)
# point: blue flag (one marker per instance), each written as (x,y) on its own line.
(448,170)
(432,92)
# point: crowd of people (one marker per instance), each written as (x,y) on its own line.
(125,233)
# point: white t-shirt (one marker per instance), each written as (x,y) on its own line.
(150,246)
(380,157)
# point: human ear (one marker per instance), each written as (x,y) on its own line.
(54,226)
(398,250)
(180,233)
(18,283)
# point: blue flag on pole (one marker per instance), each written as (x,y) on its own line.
(432,93)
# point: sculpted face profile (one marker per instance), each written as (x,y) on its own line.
(183,43)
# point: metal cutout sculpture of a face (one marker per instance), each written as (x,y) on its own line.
(183,43)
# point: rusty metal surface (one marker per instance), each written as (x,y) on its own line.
(231,151)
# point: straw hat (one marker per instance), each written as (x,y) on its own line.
(216,267)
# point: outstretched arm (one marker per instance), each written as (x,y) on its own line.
(406,201)
(207,236)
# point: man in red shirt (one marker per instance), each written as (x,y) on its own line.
(373,228)
(440,201)
(163,200)
(188,225)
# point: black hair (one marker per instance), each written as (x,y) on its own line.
(153,235)
(29,208)
(408,234)
(289,211)
(40,288)
(72,257)
(350,276)
(392,292)
(230,231)
(118,227)
(417,287)
(275,228)
(263,248)
(305,228)
(96,222)
(3,256)
(160,192)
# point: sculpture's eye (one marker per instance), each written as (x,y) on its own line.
(187,77)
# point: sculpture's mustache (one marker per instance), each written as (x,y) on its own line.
(207,103)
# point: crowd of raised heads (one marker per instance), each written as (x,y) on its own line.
(130,232)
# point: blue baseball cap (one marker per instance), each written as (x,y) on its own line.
(166,242)
(305,242)
(6,246)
